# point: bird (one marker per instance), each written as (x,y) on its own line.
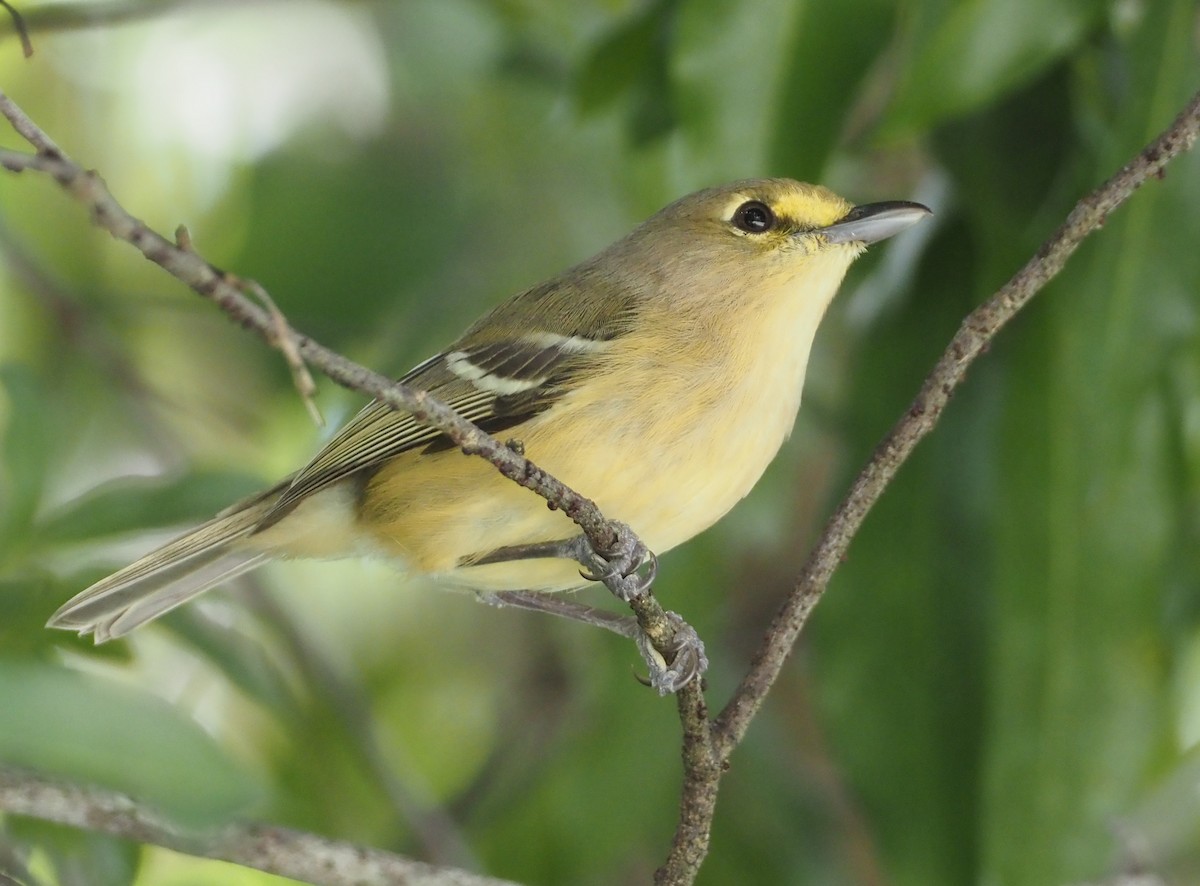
(659,378)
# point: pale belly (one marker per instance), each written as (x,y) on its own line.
(669,480)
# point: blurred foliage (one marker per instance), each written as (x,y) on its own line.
(1003,685)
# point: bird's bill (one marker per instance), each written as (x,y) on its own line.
(873,222)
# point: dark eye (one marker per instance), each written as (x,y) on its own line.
(754,217)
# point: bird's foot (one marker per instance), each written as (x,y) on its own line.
(688,661)
(627,567)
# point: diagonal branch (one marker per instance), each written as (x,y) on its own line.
(971,340)
(609,538)
(288,853)
(183,263)
(704,761)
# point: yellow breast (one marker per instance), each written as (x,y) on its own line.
(672,434)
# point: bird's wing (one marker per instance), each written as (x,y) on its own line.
(496,385)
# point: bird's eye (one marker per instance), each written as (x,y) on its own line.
(754,217)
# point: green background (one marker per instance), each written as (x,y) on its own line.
(1003,684)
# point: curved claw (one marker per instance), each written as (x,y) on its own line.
(689,661)
(634,583)
(644,579)
(608,571)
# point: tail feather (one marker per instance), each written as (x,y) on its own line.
(168,576)
(117,622)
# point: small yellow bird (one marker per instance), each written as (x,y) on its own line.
(658,378)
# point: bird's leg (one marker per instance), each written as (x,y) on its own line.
(627,569)
(619,568)
(537,551)
(688,660)
(564,607)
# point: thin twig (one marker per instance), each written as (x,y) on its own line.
(75,16)
(971,340)
(703,766)
(19,27)
(288,853)
(283,339)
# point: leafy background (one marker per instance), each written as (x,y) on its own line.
(1003,685)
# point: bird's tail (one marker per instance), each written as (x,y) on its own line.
(171,575)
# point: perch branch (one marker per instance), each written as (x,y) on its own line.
(607,537)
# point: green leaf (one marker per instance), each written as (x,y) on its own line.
(621,59)
(248,664)
(631,62)
(831,50)
(1089,514)
(24,450)
(28,598)
(969,53)
(94,730)
(143,503)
